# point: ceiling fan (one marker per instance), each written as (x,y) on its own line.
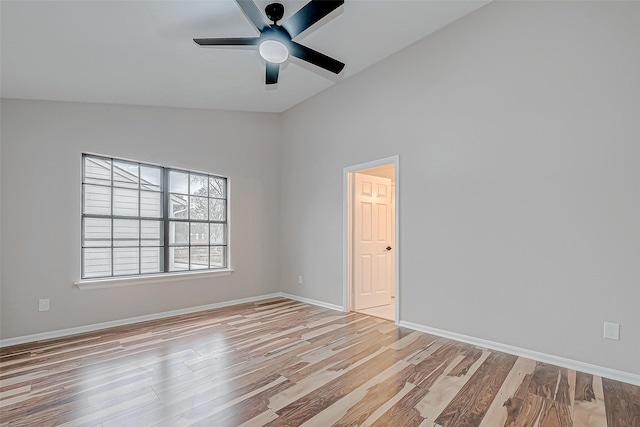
(276,41)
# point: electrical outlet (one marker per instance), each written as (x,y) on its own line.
(612,331)
(299,280)
(43,304)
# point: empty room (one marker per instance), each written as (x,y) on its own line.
(320,213)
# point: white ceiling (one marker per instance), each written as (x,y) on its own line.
(142,52)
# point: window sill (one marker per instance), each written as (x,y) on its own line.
(114,282)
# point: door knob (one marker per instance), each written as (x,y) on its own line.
(389,248)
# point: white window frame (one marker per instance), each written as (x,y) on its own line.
(163,275)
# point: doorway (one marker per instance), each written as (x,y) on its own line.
(371,251)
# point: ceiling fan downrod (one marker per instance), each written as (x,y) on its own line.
(275,12)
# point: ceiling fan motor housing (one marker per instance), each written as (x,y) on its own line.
(276,32)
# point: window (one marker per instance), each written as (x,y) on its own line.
(144,219)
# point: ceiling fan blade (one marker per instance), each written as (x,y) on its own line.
(272,73)
(234,41)
(253,13)
(311,13)
(315,58)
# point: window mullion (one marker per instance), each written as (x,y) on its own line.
(112,223)
(139,219)
(165,216)
(189,219)
(208,222)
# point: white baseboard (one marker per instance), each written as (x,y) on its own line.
(97,326)
(530,354)
(312,301)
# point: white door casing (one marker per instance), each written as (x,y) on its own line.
(373,227)
(393,238)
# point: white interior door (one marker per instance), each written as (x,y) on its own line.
(372,245)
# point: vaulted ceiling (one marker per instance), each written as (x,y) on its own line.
(142,52)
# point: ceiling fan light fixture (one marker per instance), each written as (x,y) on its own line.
(274,51)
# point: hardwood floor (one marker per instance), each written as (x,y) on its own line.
(285,363)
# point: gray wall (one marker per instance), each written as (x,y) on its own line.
(42,143)
(519,141)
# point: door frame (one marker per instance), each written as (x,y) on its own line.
(347,225)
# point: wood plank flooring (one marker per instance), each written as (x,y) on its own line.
(283,363)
